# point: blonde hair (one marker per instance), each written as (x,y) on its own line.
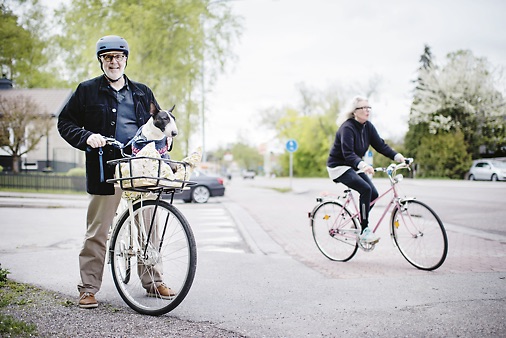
(349,111)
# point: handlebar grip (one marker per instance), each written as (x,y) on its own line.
(114,142)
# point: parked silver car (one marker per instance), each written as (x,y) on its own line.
(489,170)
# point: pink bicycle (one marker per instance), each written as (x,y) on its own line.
(416,230)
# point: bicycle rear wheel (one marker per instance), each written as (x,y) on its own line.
(419,235)
(142,259)
(334,231)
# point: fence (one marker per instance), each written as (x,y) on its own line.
(43,182)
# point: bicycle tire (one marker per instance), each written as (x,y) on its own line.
(419,235)
(175,260)
(334,231)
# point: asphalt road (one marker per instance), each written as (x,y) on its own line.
(260,274)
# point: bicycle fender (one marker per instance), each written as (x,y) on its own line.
(321,201)
(401,201)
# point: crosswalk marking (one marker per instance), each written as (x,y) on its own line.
(214,229)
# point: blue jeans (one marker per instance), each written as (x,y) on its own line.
(362,184)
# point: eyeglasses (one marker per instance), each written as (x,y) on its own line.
(366,107)
(109,57)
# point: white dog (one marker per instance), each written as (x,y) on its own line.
(161,128)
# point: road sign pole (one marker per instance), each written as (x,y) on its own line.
(291,169)
(291,147)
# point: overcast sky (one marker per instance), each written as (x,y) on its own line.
(327,42)
(324,43)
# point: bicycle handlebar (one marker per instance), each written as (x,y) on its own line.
(392,168)
(113,142)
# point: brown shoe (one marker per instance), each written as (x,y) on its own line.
(162,291)
(87,300)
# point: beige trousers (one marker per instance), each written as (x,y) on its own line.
(101,213)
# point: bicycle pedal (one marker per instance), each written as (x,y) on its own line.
(370,243)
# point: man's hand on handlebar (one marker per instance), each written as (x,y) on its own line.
(96,141)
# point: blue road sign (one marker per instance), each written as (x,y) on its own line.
(291,145)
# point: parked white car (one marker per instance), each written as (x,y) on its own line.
(489,170)
(248,174)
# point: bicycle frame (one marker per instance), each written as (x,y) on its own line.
(140,234)
(395,201)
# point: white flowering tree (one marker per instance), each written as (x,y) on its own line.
(460,97)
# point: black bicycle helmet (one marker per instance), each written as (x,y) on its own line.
(111,43)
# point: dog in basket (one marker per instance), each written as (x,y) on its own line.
(153,141)
(160,129)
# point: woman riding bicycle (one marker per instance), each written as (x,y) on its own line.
(353,138)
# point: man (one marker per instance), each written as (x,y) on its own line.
(110,105)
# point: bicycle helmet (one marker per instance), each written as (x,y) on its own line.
(112,43)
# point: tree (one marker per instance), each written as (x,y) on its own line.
(312,125)
(246,156)
(22,126)
(311,156)
(459,98)
(23,53)
(417,129)
(444,155)
(172,42)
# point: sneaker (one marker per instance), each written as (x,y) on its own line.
(162,291)
(368,236)
(87,300)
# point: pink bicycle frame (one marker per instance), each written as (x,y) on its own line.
(387,209)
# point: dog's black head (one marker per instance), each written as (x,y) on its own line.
(165,121)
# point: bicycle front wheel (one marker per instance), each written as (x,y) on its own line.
(152,246)
(334,231)
(419,235)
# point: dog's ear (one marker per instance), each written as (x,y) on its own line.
(153,110)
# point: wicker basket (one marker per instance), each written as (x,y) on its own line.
(146,174)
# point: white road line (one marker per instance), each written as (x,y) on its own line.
(214,229)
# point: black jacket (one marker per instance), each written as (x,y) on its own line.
(352,142)
(92,109)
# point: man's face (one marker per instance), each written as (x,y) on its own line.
(113,64)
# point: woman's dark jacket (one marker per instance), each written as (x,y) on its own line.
(92,109)
(352,142)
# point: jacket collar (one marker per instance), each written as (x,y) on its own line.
(357,124)
(104,84)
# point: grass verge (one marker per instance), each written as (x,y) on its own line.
(12,294)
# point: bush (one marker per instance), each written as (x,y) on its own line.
(3,275)
(81,172)
(444,155)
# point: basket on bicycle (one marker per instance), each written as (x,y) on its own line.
(145,174)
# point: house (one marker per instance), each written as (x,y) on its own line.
(52,153)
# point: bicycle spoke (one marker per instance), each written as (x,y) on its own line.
(419,234)
(334,231)
(169,257)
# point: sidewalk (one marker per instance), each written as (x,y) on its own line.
(37,200)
